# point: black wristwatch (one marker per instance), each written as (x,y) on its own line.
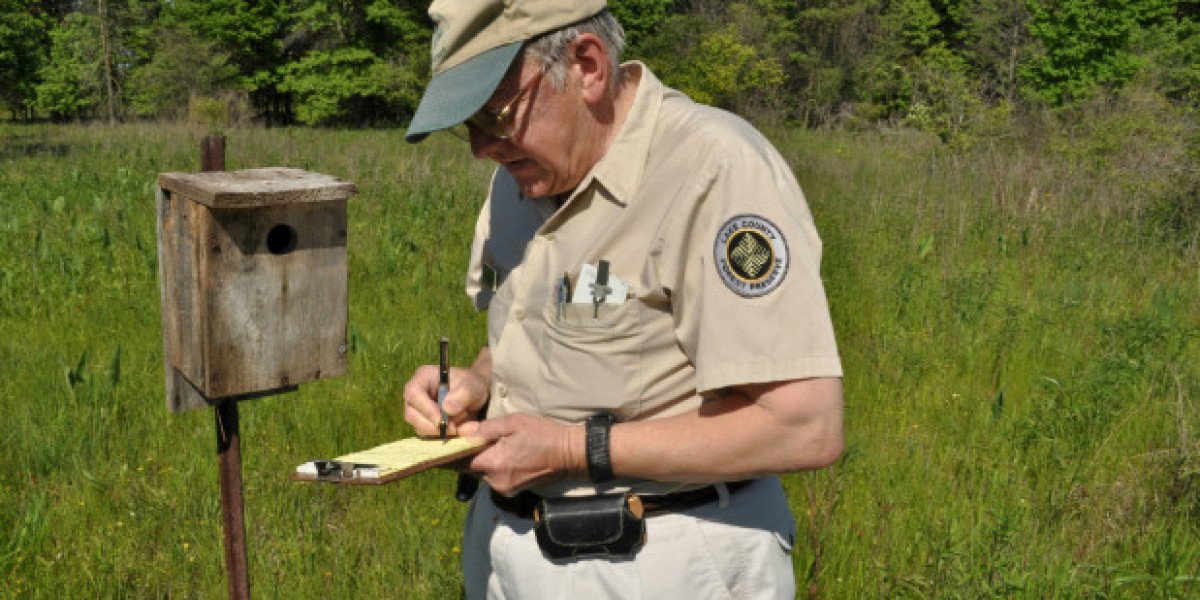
(599,461)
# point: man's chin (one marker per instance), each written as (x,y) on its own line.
(532,187)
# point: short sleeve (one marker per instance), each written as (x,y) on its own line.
(748,302)
(480,277)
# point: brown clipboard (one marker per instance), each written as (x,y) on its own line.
(389,462)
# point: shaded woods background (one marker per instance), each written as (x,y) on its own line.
(955,67)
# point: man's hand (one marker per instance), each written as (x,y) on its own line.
(467,395)
(527,449)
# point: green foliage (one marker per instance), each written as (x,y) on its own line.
(914,22)
(944,101)
(716,67)
(962,69)
(400,24)
(23,40)
(823,56)
(1172,48)
(640,19)
(211,113)
(346,84)
(1085,46)
(993,37)
(360,64)
(1149,144)
(722,68)
(914,75)
(249,33)
(181,66)
(71,80)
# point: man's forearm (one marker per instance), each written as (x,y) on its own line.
(753,431)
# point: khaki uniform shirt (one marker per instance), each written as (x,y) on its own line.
(701,218)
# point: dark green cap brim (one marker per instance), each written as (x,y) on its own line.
(455,94)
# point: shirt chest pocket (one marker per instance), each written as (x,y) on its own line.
(593,359)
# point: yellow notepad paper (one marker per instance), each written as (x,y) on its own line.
(391,461)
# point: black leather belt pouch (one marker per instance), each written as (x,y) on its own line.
(603,525)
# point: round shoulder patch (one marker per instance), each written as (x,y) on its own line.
(751,255)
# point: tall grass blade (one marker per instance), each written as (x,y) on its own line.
(114,367)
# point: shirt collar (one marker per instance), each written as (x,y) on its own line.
(620,169)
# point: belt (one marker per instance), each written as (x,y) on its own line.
(523,503)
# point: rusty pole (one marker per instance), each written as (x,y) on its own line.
(229,449)
(212,153)
(229,460)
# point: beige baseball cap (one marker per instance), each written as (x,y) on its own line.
(474,43)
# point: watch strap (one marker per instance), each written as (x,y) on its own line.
(599,459)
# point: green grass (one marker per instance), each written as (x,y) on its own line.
(1019,340)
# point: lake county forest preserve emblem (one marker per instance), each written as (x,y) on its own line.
(751,255)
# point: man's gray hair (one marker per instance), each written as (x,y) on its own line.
(550,49)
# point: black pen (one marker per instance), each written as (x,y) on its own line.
(443,383)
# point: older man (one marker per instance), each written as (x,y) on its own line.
(659,343)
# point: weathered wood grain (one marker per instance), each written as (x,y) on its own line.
(254,298)
(252,188)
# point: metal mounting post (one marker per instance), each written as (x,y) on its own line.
(229,461)
(229,448)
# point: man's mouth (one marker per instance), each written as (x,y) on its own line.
(514,167)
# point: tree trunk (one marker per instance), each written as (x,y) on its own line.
(1013,57)
(107,50)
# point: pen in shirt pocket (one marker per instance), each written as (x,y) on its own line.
(564,293)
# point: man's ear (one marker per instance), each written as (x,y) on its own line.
(592,63)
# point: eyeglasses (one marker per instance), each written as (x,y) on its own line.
(499,125)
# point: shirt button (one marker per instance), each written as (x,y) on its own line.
(520,314)
(549,237)
(501,391)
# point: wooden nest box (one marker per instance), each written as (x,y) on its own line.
(253,277)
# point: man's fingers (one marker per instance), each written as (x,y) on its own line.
(467,392)
(422,387)
(466,395)
(420,422)
(420,401)
(471,429)
(431,427)
(490,429)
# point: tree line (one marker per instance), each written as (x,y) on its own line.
(943,65)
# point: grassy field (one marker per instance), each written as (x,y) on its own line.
(1019,334)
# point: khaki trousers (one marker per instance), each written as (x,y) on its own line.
(735,549)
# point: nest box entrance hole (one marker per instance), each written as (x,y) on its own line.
(281,239)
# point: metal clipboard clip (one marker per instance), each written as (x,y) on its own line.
(332,471)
